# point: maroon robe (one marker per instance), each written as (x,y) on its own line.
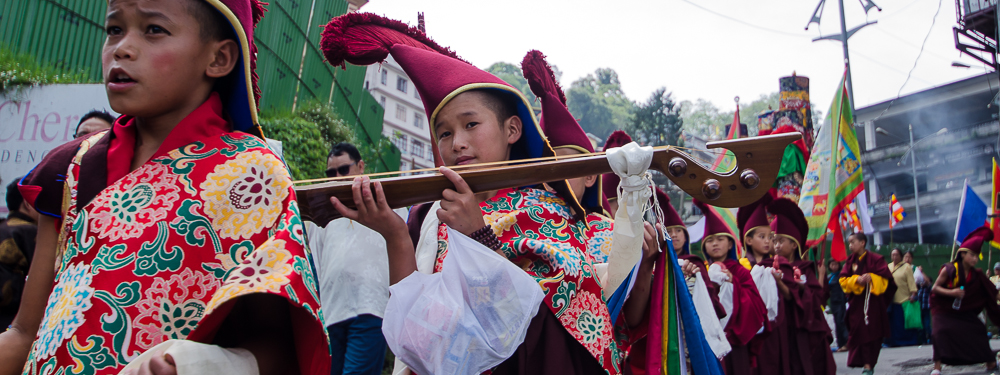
(747,318)
(805,330)
(772,344)
(864,341)
(959,336)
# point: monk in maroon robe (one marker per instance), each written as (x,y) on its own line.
(806,332)
(960,293)
(747,313)
(869,287)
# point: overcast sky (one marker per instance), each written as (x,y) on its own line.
(698,54)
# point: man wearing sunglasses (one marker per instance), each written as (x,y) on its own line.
(344,160)
(352,266)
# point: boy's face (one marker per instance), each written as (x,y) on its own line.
(468,132)
(678,237)
(760,241)
(155,61)
(857,246)
(970,259)
(784,246)
(716,247)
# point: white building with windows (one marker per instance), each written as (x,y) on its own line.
(404,122)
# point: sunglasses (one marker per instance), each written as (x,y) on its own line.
(342,170)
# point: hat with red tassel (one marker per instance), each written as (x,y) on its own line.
(974,241)
(437,73)
(789,222)
(242,98)
(610,181)
(561,129)
(671,219)
(715,226)
(753,216)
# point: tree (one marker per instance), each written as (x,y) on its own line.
(657,122)
(599,103)
(512,74)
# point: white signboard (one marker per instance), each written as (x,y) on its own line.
(36,120)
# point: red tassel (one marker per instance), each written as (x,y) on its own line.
(540,76)
(365,39)
(617,139)
(257,8)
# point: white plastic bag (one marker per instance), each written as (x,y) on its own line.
(465,319)
(768,289)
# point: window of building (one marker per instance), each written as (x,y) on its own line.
(416,94)
(400,142)
(418,149)
(400,112)
(418,120)
(404,166)
(382,102)
(385,77)
(401,84)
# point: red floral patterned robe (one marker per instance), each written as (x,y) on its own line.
(159,253)
(538,233)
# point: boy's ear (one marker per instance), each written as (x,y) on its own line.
(514,129)
(226,54)
(590,181)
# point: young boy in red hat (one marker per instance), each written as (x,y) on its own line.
(745,311)
(174,225)
(805,331)
(756,233)
(869,286)
(474,118)
(960,293)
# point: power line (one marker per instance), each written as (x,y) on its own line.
(746,23)
(915,61)
(884,65)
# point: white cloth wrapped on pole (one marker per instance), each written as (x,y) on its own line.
(195,358)
(631,164)
(768,289)
(467,318)
(710,324)
(720,278)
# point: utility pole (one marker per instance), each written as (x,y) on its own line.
(842,37)
(916,188)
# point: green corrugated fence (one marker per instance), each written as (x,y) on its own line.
(69,34)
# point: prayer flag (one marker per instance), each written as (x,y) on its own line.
(725,163)
(971,213)
(833,174)
(995,206)
(897,213)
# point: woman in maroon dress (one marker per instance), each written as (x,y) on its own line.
(745,311)
(959,294)
(806,332)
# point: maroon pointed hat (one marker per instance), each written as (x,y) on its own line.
(670,216)
(556,121)
(242,97)
(789,221)
(610,181)
(753,216)
(437,73)
(974,241)
(715,226)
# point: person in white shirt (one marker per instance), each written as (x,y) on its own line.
(352,266)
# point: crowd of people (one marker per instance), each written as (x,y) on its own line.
(171,241)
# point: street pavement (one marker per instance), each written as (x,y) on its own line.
(910,360)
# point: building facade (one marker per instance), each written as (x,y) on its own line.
(956,136)
(404,122)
